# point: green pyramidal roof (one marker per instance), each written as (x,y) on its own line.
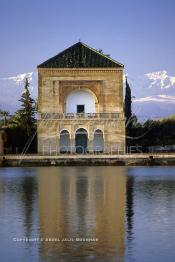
(80,55)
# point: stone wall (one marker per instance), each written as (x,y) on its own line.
(107,86)
(55,84)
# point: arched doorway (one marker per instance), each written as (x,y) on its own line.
(98,141)
(64,142)
(81,141)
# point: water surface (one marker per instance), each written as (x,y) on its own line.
(89,213)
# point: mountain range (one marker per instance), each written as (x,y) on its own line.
(153,94)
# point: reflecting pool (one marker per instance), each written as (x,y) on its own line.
(87,214)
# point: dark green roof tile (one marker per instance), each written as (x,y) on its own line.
(80,55)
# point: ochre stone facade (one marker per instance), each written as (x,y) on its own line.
(106,86)
(80,103)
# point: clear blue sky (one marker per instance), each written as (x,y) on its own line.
(138,33)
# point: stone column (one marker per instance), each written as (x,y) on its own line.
(72,142)
(106,142)
(90,141)
(42,146)
(58,144)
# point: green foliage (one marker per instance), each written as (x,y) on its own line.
(17,141)
(3,135)
(21,128)
(128,102)
(129,118)
(4,114)
(150,133)
(153,133)
(15,120)
(25,116)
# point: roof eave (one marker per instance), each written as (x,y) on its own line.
(82,68)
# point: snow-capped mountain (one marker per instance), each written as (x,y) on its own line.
(12,87)
(19,79)
(160,79)
(153,93)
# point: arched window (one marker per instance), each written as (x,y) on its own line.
(64,142)
(81,141)
(80,101)
(98,141)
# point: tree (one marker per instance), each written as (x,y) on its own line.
(127,107)
(3,135)
(4,114)
(16,120)
(26,115)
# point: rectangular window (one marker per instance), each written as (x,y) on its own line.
(80,109)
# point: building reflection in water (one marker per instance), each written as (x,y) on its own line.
(82,202)
(130,210)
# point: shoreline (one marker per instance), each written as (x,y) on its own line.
(143,159)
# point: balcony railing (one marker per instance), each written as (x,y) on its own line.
(57,116)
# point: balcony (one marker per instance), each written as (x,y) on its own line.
(73,116)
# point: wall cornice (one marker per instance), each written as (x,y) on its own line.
(79,69)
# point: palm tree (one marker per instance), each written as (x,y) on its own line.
(16,120)
(4,114)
